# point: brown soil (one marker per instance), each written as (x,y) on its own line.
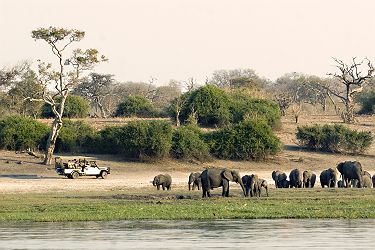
(31,176)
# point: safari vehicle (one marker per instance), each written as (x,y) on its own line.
(73,168)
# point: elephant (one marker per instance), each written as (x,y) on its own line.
(263,183)
(328,177)
(373,181)
(295,178)
(367,173)
(163,180)
(309,179)
(279,178)
(284,184)
(367,182)
(351,170)
(218,177)
(340,184)
(195,179)
(246,182)
(254,186)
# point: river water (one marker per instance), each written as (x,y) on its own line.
(222,234)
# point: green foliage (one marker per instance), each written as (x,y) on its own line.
(145,139)
(74,136)
(75,107)
(248,140)
(243,106)
(367,102)
(18,133)
(187,143)
(334,138)
(136,106)
(210,103)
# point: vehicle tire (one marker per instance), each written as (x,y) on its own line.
(69,176)
(75,175)
(104,174)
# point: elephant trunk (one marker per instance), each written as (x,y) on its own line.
(242,186)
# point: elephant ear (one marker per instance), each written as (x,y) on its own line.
(227,174)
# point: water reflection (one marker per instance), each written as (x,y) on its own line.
(223,234)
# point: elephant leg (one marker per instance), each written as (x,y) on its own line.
(193,186)
(266,191)
(163,186)
(204,192)
(158,187)
(225,192)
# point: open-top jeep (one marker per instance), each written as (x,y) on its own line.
(73,168)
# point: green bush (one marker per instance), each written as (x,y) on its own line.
(107,141)
(19,133)
(248,140)
(243,106)
(145,139)
(367,102)
(75,107)
(75,136)
(210,105)
(333,138)
(136,106)
(187,143)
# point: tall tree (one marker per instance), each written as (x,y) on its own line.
(352,81)
(96,88)
(65,76)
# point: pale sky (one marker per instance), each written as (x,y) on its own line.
(178,39)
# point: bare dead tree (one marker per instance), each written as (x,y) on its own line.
(353,81)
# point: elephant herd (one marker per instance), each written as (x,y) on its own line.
(351,173)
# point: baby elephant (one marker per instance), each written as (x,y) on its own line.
(195,179)
(263,183)
(163,180)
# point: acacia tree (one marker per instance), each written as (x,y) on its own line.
(64,77)
(353,82)
(96,88)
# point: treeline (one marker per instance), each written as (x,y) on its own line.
(146,140)
(101,95)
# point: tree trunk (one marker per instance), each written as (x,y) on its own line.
(178,118)
(102,110)
(50,148)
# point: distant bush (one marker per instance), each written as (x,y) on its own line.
(75,136)
(243,106)
(187,143)
(145,139)
(367,102)
(75,107)
(136,106)
(248,140)
(334,138)
(19,133)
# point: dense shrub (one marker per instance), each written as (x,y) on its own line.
(75,107)
(136,106)
(210,105)
(187,143)
(243,106)
(145,139)
(75,136)
(248,140)
(333,138)
(367,102)
(107,141)
(19,133)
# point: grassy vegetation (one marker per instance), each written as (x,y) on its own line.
(149,204)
